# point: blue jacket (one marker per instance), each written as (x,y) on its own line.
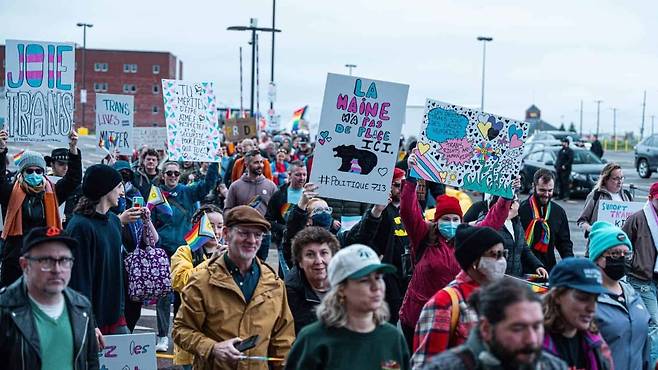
(625,330)
(182,199)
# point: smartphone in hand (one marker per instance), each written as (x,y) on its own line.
(246,344)
(138,202)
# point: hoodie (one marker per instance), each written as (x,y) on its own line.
(252,192)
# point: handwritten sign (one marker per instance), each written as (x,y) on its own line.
(358,138)
(40,86)
(152,137)
(131,351)
(114,121)
(616,212)
(237,129)
(193,132)
(467,148)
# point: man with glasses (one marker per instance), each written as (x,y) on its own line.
(31,200)
(172,228)
(237,296)
(44,324)
(545,222)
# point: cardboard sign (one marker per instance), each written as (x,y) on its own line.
(114,121)
(193,132)
(237,129)
(152,137)
(40,86)
(131,351)
(358,139)
(467,148)
(616,212)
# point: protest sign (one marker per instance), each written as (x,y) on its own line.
(114,121)
(616,212)
(152,137)
(193,132)
(358,139)
(131,351)
(237,129)
(467,148)
(40,86)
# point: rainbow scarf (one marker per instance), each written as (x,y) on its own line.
(542,244)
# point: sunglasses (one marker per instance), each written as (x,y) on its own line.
(172,173)
(30,171)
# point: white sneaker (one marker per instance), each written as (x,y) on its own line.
(162,344)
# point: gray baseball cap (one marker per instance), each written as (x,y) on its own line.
(355,262)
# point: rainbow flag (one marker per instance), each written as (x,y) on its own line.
(297,116)
(159,201)
(18,156)
(200,234)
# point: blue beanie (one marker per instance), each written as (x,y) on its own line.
(604,236)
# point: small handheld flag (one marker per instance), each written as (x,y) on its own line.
(158,200)
(18,156)
(200,234)
(297,116)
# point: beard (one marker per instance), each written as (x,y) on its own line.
(508,359)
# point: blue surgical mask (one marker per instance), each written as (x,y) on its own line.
(322,219)
(33,179)
(448,229)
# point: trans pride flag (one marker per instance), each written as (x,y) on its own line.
(200,234)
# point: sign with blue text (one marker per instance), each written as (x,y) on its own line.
(114,122)
(358,138)
(40,86)
(130,351)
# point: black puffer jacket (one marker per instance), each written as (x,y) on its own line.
(302,300)
(19,339)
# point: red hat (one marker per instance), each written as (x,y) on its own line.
(398,173)
(446,204)
(653,191)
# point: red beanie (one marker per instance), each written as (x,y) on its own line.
(446,204)
(653,191)
(398,173)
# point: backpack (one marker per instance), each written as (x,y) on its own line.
(148,269)
(408,263)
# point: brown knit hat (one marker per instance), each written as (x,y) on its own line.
(246,216)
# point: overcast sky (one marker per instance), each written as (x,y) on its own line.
(550,53)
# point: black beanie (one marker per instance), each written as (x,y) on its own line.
(99,180)
(472,241)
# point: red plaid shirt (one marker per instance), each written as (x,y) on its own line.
(432,334)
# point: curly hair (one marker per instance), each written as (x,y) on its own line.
(331,312)
(313,234)
(86,206)
(554,322)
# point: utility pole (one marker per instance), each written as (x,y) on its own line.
(484,40)
(598,109)
(241,103)
(349,67)
(581,118)
(614,126)
(644,106)
(652,132)
(83,91)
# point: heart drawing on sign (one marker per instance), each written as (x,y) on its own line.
(515,142)
(321,141)
(443,175)
(324,137)
(382,171)
(484,127)
(423,148)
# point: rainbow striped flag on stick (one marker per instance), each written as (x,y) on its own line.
(200,234)
(159,201)
(18,156)
(297,116)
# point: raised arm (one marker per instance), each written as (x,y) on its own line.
(497,214)
(411,214)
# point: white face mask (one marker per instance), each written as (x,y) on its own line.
(493,269)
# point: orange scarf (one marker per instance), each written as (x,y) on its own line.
(14,219)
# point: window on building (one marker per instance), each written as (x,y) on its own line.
(155,109)
(100,86)
(156,89)
(101,67)
(130,68)
(156,69)
(133,68)
(129,88)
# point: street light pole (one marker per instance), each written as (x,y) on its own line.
(598,109)
(84,66)
(272,66)
(484,40)
(252,27)
(349,67)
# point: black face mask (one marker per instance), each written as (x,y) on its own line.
(615,268)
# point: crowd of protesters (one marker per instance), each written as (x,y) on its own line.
(396,288)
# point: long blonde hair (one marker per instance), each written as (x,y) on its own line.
(606,173)
(332,311)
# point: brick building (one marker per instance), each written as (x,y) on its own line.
(121,72)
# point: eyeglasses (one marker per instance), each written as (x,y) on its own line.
(30,171)
(628,256)
(497,254)
(617,179)
(48,263)
(247,234)
(172,173)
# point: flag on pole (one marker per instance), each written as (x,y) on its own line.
(228,113)
(200,234)
(158,200)
(18,156)
(297,116)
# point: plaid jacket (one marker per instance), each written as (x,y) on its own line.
(432,334)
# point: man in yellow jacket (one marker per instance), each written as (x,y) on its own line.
(235,297)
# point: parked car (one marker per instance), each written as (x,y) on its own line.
(559,135)
(646,156)
(533,146)
(584,172)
